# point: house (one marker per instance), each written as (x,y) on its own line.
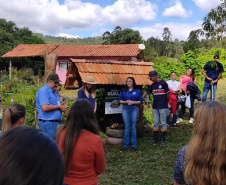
(57,57)
(110,75)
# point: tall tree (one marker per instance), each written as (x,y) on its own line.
(167,40)
(214,22)
(177,49)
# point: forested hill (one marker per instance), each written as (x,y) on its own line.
(70,41)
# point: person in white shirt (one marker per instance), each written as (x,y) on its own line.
(174,87)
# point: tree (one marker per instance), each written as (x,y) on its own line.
(177,49)
(167,40)
(157,44)
(214,22)
(120,36)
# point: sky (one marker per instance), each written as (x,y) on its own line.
(89,18)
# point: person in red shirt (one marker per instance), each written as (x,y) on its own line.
(81,146)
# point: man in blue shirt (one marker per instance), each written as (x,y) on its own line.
(213,73)
(49,106)
(161,94)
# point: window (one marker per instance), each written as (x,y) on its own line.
(63,66)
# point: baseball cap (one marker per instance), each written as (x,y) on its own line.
(216,56)
(152,73)
(54,77)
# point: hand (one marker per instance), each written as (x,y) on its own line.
(129,102)
(208,78)
(63,108)
(213,82)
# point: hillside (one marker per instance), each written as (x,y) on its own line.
(70,41)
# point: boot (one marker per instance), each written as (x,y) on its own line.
(163,138)
(155,137)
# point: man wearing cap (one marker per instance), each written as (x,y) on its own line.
(49,106)
(161,95)
(213,73)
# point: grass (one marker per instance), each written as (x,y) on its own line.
(150,165)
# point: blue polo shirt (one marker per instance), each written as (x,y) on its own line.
(213,72)
(134,95)
(46,95)
(160,90)
(82,95)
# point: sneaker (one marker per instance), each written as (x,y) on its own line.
(179,120)
(134,148)
(191,120)
(162,143)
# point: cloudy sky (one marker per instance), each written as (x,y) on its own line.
(87,18)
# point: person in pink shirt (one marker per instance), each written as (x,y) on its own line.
(189,77)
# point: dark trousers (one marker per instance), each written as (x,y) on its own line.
(183,109)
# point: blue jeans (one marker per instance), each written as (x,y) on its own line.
(130,116)
(206,89)
(48,127)
(160,115)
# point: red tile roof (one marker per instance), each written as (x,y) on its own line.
(30,50)
(112,72)
(121,50)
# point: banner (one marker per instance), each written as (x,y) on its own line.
(112,105)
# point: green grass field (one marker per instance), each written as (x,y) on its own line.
(150,165)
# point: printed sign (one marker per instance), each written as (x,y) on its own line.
(112,105)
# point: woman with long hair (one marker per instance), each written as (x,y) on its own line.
(130,97)
(14,115)
(80,145)
(88,91)
(189,77)
(29,157)
(203,161)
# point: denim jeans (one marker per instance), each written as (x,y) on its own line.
(130,116)
(48,127)
(160,115)
(206,89)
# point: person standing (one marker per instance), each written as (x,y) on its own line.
(130,97)
(81,146)
(189,77)
(161,95)
(174,87)
(88,91)
(49,106)
(212,75)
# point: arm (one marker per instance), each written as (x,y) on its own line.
(195,81)
(168,97)
(144,95)
(95,106)
(100,158)
(49,108)
(138,101)
(182,89)
(204,73)
(215,81)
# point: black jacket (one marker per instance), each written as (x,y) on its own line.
(194,91)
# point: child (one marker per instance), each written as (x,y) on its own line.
(174,87)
